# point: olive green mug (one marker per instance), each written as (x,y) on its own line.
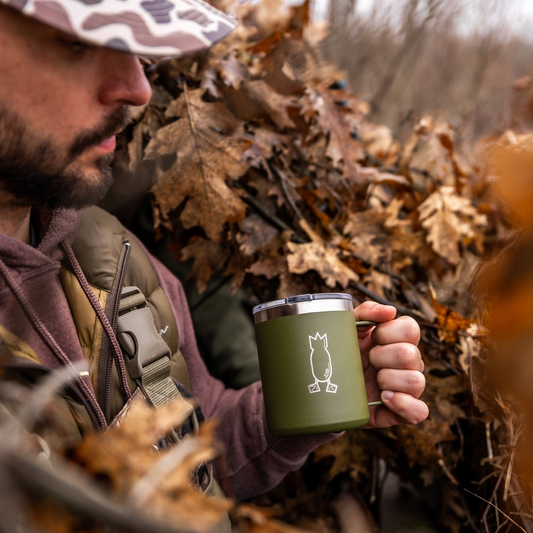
(310,364)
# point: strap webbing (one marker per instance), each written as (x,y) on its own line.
(159,387)
(129,301)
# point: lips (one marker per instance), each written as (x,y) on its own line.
(108,145)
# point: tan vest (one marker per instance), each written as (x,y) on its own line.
(99,246)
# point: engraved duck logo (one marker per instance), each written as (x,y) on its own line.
(320,363)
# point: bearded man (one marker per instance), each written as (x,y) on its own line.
(77,290)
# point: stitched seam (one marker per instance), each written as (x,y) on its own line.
(91,284)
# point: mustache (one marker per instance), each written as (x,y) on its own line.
(115,122)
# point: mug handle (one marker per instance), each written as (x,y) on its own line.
(364,324)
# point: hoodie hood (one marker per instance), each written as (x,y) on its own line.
(35,273)
(53,226)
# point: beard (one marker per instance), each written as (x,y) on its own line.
(35,172)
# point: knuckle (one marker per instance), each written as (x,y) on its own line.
(411,328)
(416,382)
(409,356)
(365,306)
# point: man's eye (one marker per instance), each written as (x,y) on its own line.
(74,46)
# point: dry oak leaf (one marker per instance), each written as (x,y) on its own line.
(367,238)
(208,257)
(209,151)
(160,480)
(232,71)
(450,322)
(322,259)
(257,234)
(256,100)
(353,452)
(380,143)
(271,262)
(429,149)
(419,443)
(125,452)
(332,120)
(451,221)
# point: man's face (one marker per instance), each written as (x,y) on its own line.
(61,104)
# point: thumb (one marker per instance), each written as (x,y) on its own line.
(374,312)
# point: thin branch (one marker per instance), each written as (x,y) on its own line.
(358,286)
(498,509)
(272,219)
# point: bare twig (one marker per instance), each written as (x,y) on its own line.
(498,509)
(272,219)
(358,286)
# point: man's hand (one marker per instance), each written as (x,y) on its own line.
(392,366)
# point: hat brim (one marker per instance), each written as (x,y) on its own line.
(151,28)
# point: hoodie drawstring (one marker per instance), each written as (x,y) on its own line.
(100,313)
(49,340)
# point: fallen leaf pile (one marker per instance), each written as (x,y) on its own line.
(271,175)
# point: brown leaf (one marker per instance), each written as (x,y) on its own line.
(125,456)
(321,258)
(256,520)
(257,100)
(420,442)
(332,119)
(429,150)
(451,221)
(271,263)
(380,143)
(378,282)
(291,66)
(259,234)
(209,152)
(208,257)
(232,71)
(148,124)
(450,323)
(353,453)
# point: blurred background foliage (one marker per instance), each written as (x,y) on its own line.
(465,60)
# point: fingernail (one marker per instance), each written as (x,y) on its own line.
(378,306)
(387,394)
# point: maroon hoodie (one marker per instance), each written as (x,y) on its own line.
(255,460)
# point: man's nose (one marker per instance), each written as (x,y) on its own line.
(123,80)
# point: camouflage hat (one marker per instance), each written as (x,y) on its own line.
(153,28)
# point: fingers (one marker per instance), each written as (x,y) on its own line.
(402,355)
(374,312)
(404,329)
(404,406)
(409,382)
